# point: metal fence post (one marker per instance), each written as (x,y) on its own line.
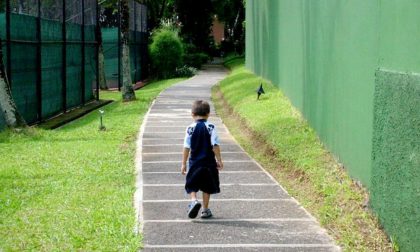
(64,60)
(98,30)
(119,45)
(83,73)
(39,62)
(136,47)
(8,44)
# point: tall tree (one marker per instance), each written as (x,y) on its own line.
(108,17)
(128,93)
(7,105)
(101,62)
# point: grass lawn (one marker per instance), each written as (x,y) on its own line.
(275,134)
(71,189)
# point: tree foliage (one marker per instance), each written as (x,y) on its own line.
(232,13)
(157,11)
(166,52)
(196,20)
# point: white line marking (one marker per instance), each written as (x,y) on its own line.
(149,145)
(224,141)
(163,138)
(221,134)
(222,172)
(241,184)
(231,220)
(166,116)
(179,119)
(256,245)
(169,126)
(178,161)
(179,153)
(213,200)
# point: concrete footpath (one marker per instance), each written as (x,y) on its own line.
(252,213)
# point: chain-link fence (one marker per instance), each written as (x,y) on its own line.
(111,36)
(51,54)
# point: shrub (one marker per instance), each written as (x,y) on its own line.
(195,59)
(166,52)
(193,56)
(186,71)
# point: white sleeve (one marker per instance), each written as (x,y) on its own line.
(214,138)
(188,134)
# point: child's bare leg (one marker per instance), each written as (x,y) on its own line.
(206,200)
(193,196)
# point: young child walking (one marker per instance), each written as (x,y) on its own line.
(201,145)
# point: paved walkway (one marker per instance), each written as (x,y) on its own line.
(253,212)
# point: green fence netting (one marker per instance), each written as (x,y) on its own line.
(138,50)
(51,68)
(138,40)
(38,64)
(24,65)
(110,49)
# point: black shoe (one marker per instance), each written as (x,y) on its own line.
(193,209)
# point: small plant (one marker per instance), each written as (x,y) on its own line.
(186,71)
(166,52)
(394,243)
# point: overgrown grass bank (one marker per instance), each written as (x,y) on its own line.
(276,135)
(71,189)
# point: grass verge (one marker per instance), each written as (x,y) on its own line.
(277,136)
(72,189)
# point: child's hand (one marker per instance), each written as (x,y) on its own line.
(219,165)
(183,169)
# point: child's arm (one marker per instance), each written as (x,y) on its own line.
(185,155)
(216,150)
(214,138)
(186,151)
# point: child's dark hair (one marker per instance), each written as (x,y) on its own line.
(200,108)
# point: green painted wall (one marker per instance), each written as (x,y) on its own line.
(324,55)
(395,190)
(308,49)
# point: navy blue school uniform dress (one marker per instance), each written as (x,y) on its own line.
(202,173)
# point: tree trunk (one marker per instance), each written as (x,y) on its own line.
(101,61)
(127,85)
(7,105)
(101,69)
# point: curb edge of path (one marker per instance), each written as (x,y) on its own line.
(138,194)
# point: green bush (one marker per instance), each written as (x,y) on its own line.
(196,59)
(186,71)
(166,52)
(193,56)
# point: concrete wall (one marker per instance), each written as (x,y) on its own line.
(324,55)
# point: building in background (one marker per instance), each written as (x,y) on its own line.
(218,30)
